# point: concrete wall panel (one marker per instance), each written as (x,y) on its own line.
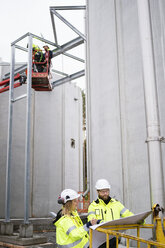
(116,105)
(18,151)
(56,118)
(56,164)
(105,149)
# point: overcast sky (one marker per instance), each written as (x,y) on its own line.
(18,17)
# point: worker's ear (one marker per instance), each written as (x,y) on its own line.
(60,200)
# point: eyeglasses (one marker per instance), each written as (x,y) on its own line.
(103,191)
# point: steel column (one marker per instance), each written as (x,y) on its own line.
(9,140)
(27,141)
(54,27)
(151,102)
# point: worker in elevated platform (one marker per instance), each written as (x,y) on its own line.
(70,231)
(47,49)
(38,57)
(106,208)
(50,55)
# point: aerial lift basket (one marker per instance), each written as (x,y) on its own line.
(40,78)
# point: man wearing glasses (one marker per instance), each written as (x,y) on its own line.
(106,208)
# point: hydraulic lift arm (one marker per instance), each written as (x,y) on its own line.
(6,83)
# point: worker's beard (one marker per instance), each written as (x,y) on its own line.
(103,197)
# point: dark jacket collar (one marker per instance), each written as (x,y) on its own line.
(106,202)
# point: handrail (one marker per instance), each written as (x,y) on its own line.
(112,231)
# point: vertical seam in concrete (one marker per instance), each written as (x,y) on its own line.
(120,61)
(163,35)
(79,131)
(63,137)
(153,51)
(88,106)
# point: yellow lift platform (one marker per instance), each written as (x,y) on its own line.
(158,227)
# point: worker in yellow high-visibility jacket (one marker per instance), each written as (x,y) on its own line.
(38,57)
(70,231)
(106,208)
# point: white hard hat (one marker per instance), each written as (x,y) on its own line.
(102,184)
(45,45)
(68,195)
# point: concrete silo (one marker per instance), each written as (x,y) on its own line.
(56,148)
(118,126)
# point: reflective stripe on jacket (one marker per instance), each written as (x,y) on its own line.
(70,232)
(107,212)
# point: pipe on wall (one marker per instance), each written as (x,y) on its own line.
(151,104)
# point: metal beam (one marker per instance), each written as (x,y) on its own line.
(43,40)
(54,27)
(36,37)
(68,24)
(68,78)
(20,69)
(8,64)
(59,72)
(4,64)
(21,48)
(19,98)
(74,57)
(67,46)
(82,7)
(20,38)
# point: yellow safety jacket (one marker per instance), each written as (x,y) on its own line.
(36,49)
(106,212)
(70,232)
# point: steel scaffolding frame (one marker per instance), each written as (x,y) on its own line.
(59,49)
